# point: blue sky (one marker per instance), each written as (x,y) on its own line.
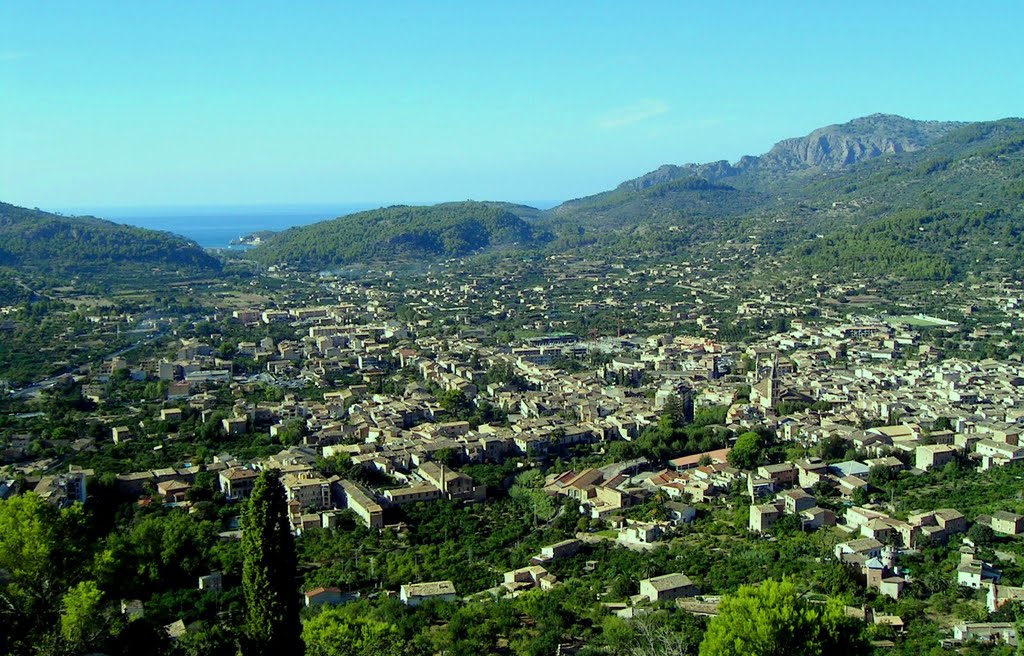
(179,103)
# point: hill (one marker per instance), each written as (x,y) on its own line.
(403,234)
(50,244)
(878,195)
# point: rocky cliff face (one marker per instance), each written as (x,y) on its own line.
(830,148)
(838,146)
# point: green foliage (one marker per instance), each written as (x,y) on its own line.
(80,621)
(935,212)
(528,489)
(58,245)
(748,452)
(454,402)
(981,535)
(157,551)
(292,433)
(333,633)
(774,618)
(398,233)
(670,437)
(268,571)
(40,551)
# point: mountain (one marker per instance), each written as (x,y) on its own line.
(50,244)
(879,195)
(402,234)
(831,148)
(837,147)
(721,189)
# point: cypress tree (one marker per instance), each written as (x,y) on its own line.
(268,572)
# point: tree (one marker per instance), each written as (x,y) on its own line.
(332,633)
(747,452)
(82,622)
(292,432)
(677,409)
(40,557)
(981,535)
(832,448)
(268,571)
(774,618)
(529,490)
(454,402)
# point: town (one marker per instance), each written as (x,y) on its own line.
(632,409)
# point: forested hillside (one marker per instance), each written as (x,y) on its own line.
(879,195)
(400,233)
(32,240)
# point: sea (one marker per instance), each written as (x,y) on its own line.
(217,226)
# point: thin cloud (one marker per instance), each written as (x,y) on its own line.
(12,55)
(631,114)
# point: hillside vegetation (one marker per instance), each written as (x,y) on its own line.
(49,244)
(400,233)
(881,195)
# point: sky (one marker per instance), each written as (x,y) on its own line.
(228,103)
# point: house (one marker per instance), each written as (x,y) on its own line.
(173,490)
(667,587)
(176,630)
(360,501)
(975,573)
(924,527)
(237,482)
(640,533)
(528,578)
(986,632)
(562,549)
(309,490)
(892,586)
(814,518)
(850,468)
(235,426)
(894,621)
(132,609)
(120,434)
(797,500)
(763,516)
(414,594)
(680,513)
(867,547)
(887,462)
(930,456)
(451,483)
(810,472)
(719,457)
(758,487)
(849,485)
(135,483)
(782,475)
(414,494)
(171,415)
(996,454)
(881,530)
(1007,523)
(325,597)
(63,490)
(1001,594)
(214,581)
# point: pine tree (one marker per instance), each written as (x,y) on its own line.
(268,572)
